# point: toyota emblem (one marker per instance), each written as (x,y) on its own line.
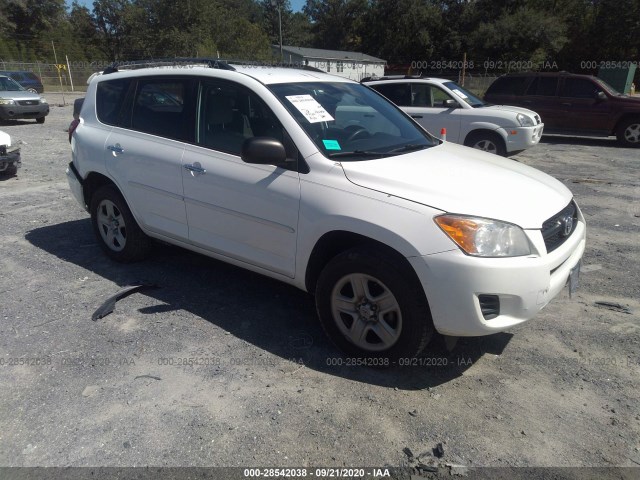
(567,225)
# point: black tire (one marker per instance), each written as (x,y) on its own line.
(487,141)
(128,242)
(10,171)
(40,119)
(413,325)
(628,132)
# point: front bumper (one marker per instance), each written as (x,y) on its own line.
(453,283)
(521,138)
(9,157)
(17,111)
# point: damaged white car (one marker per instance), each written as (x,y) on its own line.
(9,156)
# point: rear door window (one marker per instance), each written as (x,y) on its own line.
(162,107)
(543,86)
(398,93)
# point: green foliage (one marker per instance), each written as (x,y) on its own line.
(400,31)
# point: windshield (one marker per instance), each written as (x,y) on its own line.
(608,87)
(350,121)
(9,85)
(465,95)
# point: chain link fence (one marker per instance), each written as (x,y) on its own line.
(64,77)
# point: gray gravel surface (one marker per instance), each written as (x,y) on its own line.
(223,367)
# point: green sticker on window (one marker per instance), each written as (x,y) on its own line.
(331,145)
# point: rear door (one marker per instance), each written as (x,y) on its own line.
(541,97)
(144,150)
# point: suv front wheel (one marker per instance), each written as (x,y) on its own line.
(372,308)
(628,132)
(487,142)
(117,231)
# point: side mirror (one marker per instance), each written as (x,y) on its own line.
(263,151)
(451,103)
(601,96)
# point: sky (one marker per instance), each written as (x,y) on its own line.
(296,5)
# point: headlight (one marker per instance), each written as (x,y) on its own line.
(483,237)
(42,100)
(7,101)
(525,120)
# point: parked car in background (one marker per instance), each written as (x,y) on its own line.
(322,183)
(17,103)
(29,80)
(571,104)
(436,103)
(9,155)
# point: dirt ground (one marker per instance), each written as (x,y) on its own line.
(223,367)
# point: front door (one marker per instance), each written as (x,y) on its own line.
(243,211)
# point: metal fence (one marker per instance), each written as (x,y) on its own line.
(67,77)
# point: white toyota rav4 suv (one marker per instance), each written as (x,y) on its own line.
(322,183)
(437,103)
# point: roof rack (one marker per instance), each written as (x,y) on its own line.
(167,62)
(208,62)
(391,77)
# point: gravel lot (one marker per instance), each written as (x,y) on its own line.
(261,388)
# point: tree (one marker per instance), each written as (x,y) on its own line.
(336,23)
(401,31)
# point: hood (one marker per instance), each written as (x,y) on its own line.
(457,179)
(5,139)
(628,100)
(19,95)
(508,108)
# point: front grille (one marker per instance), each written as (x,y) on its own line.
(28,102)
(489,306)
(558,228)
(538,121)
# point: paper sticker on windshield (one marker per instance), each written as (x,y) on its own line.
(331,145)
(310,108)
(459,93)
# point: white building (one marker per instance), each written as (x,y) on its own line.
(353,65)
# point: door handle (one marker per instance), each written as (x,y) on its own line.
(566,104)
(195,168)
(416,116)
(116,149)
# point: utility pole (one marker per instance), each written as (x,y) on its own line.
(55,56)
(276,3)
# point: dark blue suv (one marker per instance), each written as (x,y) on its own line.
(29,80)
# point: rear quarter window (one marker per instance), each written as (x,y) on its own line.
(110,96)
(508,86)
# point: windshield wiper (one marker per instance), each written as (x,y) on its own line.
(357,153)
(410,147)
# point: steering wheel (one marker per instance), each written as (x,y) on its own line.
(358,132)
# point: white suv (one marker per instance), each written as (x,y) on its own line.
(322,183)
(436,103)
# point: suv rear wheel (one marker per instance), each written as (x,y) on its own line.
(371,307)
(117,231)
(628,132)
(487,142)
